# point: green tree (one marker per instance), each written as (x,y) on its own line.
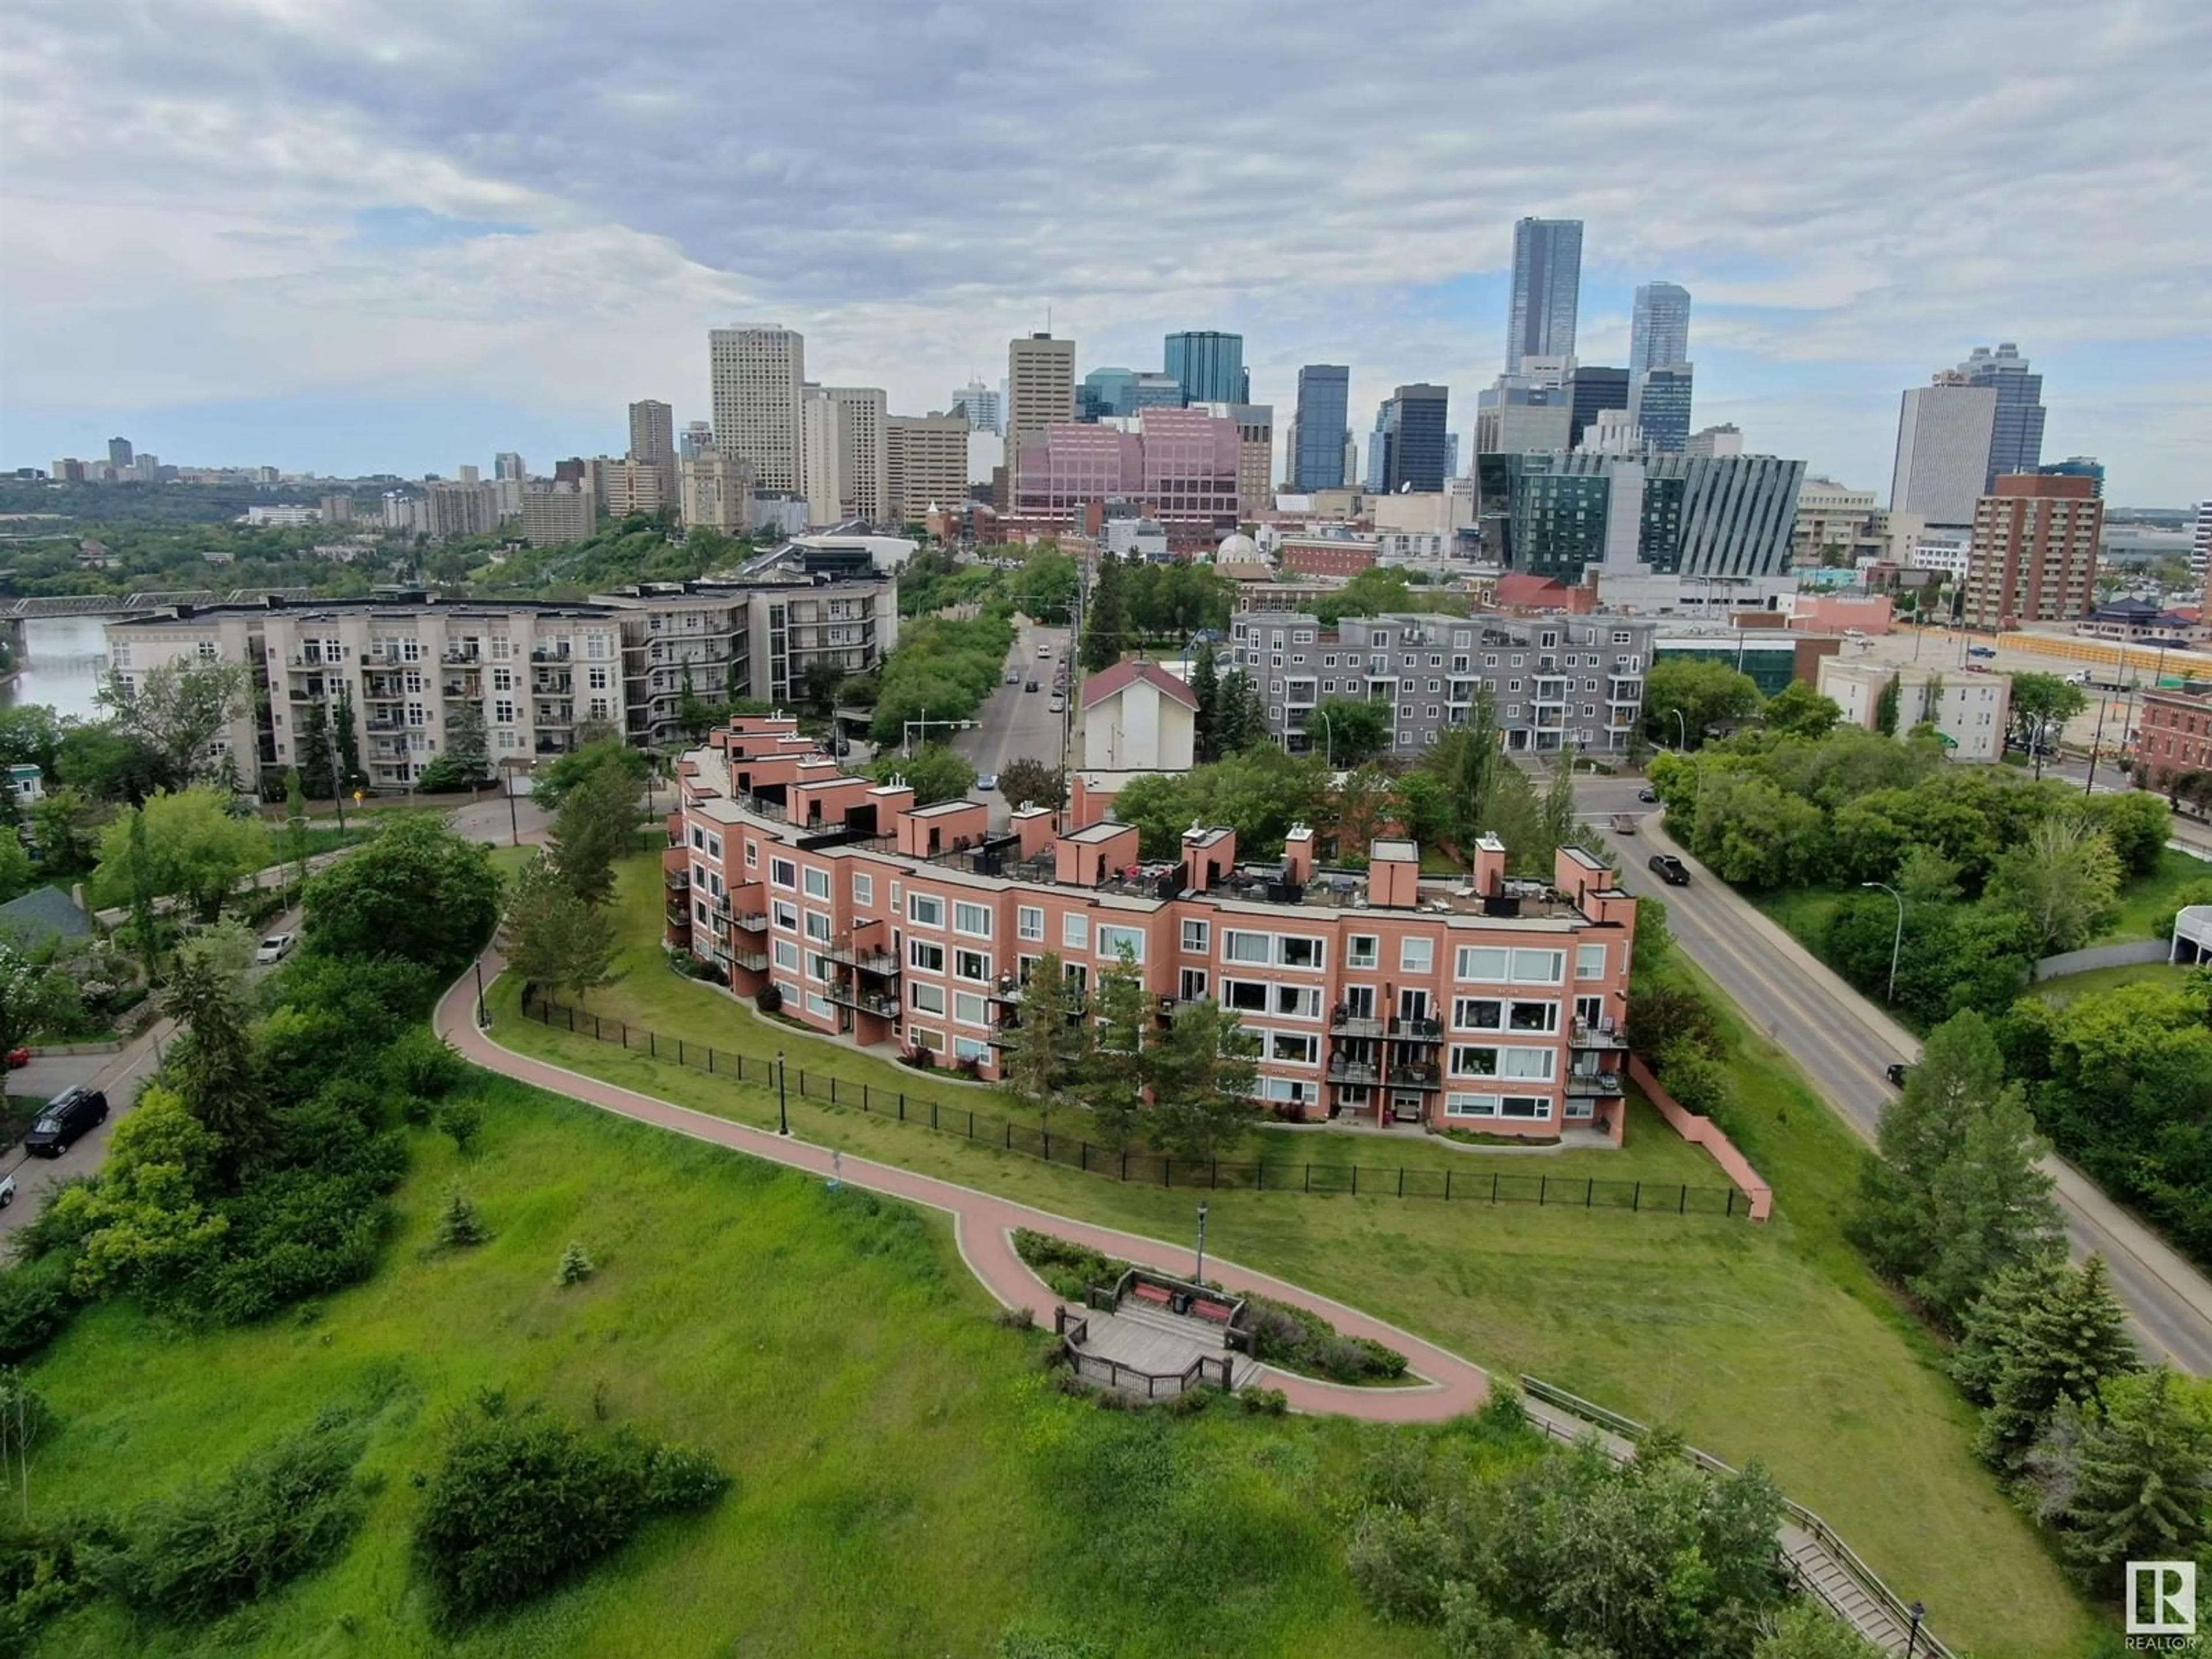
(416,892)
(934,772)
(1048,1046)
(2137,823)
(1886,706)
(318,756)
(465,760)
(61,824)
(26,995)
(2042,704)
(295,827)
(593,828)
(1033,782)
(215,1065)
(551,937)
(179,709)
(1806,1630)
(2064,879)
(1705,694)
(1241,721)
(1206,686)
(1798,711)
(1469,759)
(1112,1086)
(146,1226)
(1106,624)
(30,735)
(110,764)
(144,892)
(1754,833)
(345,741)
(1561,824)
(1351,729)
(550,787)
(2138,1492)
(1203,1070)
(2043,1332)
(193,851)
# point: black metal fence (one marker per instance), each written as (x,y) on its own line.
(1471,1185)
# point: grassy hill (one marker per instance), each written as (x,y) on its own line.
(907,1480)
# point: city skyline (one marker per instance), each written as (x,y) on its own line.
(219,302)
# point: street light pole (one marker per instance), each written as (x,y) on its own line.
(506,786)
(1897,942)
(1200,1278)
(1327,739)
(782,1106)
(483,1015)
(1685,725)
(1919,1611)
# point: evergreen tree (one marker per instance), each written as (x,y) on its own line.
(318,758)
(1106,623)
(1206,686)
(592,830)
(1990,1207)
(295,826)
(215,1062)
(1047,1050)
(2070,1339)
(1121,1012)
(348,741)
(1885,708)
(1203,1071)
(2139,1491)
(1997,1322)
(143,894)
(1240,718)
(1559,810)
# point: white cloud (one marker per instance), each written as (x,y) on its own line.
(1843,187)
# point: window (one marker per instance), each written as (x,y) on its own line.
(1478,1014)
(1075,931)
(1416,956)
(503,712)
(1481,964)
(819,1004)
(1196,935)
(1299,1047)
(818,925)
(1538,967)
(1113,941)
(1525,1106)
(1531,1064)
(972,919)
(863,891)
(1364,951)
(1238,946)
(783,873)
(925,998)
(752,855)
(1247,996)
(969,1009)
(698,838)
(923,1037)
(930,958)
(1535,1017)
(786,954)
(967,1048)
(785,914)
(1295,950)
(971,965)
(1299,1001)
(817,883)
(1029,922)
(1292,1090)
(1470,1105)
(817,966)
(924,909)
(1467,1060)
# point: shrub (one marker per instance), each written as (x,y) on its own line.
(1068,1269)
(35,1303)
(523,1501)
(45,1571)
(1298,1340)
(462,1120)
(1263,1402)
(1014,1319)
(461,1224)
(283,1510)
(576,1265)
(421,1062)
(1693,1078)
(768,999)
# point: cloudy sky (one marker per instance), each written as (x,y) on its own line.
(344,236)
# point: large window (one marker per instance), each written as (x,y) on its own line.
(1238,946)
(784,913)
(1482,964)
(817,882)
(1416,956)
(1534,1016)
(1538,967)
(1029,922)
(817,925)
(972,919)
(930,958)
(925,910)
(1296,950)
(1478,1014)
(971,965)
(1247,996)
(1113,941)
(1196,935)
(1299,1047)
(1075,931)
(1589,962)
(1527,1106)
(926,998)
(783,873)
(970,1009)
(1301,1001)
(786,954)
(1467,1060)
(1363,950)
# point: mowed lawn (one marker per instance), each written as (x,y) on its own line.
(908,1482)
(1770,1342)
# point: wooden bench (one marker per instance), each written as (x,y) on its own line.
(1219,1312)
(1152,1293)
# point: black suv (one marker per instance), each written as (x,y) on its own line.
(68,1116)
(1671,870)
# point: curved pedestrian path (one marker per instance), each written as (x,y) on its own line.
(983,1226)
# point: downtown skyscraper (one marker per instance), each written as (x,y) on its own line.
(1322,426)
(1659,336)
(1547,275)
(758,377)
(1208,364)
(2017,430)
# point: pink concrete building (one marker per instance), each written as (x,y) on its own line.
(1179,465)
(1382,994)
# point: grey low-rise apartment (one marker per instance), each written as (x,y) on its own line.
(1558,684)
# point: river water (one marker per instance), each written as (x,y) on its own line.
(64,663)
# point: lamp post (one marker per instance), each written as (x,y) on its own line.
(1897,942)
(1199,1277)
(507,788)
(1327,739)
(484,1014)
(1685,725)
(782,1105)
(1919,1611)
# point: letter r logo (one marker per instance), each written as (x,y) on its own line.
(2161,1598)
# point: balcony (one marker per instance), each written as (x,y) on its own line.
(677,881)
(453,655)
(1174,1008)
(1417,1030)
(1604,1085)
(1353,1071)
(1414,1077)
(552,685)
(1596,1034)
(867,958)
(1343,1023)
(548,653)
(555,714)
(848,994)
(679,918)
(753,921)
(745,957)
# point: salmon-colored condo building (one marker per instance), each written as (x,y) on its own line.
(1381,994)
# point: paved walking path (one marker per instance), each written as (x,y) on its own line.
(983,1226)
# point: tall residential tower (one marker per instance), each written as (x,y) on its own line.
(1323,427)
(1547,274)
(759,378)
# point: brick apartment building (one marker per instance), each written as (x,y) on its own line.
(2034,553)
(1380,994)
(2176,737)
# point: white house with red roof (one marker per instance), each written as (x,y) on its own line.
(1137,717)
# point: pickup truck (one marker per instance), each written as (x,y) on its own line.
(1671,870)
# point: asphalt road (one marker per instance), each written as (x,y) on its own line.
(47,1076)
(1014,724)
(1843,1043)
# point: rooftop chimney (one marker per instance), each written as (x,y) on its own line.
(1489,867)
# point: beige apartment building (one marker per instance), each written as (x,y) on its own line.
(925,463)
(627,485)
(1835,520)
(1039,388)
(718,492)
(842,430)
(405,665)
(558,512)
(758,377)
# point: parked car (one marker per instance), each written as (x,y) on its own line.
(1981,651)
(1057,705)
(1031,686)
(1647,796)
(1897,1073)
(1014,677)
(70,1116)
(18,1057)
(1044,651)
(1671,870)
(1978,668)
(987,780)
(7,1191)
(274,948)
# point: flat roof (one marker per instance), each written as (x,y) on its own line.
(1099,831)
(1396,851)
